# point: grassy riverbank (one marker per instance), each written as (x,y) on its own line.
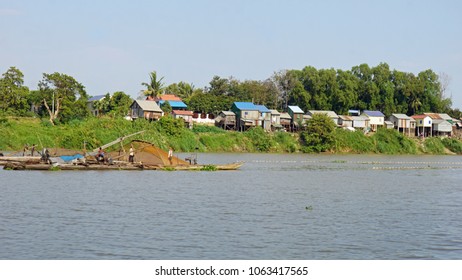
(16,132)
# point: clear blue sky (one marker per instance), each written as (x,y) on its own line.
(112,46)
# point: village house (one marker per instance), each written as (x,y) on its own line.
(441,127)
(91,104)
(286,121)
(185,115)
(296,115)
(345,121)
(403,123)
(265,115)
(441,124)
(423,125)
(247,115)
(360,122)
(226,120)
(275,120)
(175,102)
(376,119)
(145,109)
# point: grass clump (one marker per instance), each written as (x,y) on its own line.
(453,145)
(433,145)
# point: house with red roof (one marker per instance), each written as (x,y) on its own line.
(423,125)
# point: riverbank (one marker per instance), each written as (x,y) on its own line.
(94,132)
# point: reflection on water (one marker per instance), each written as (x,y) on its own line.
(275,207)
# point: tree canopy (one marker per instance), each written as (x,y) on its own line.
(362,87)
(63,97)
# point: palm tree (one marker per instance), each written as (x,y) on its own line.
(154,87)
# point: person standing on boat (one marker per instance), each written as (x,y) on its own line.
(170,155)
(32,150)
(131,155)
(26,148)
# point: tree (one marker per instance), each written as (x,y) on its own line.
(166,107)
(319,134)
(120,103)
(181,89)
(63,97)
(155,87)
(285,81)
(346,96)
(13,94)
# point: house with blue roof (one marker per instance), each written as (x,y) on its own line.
(176,105)
(91,104)
(265,115)
(376,119)
(247,115)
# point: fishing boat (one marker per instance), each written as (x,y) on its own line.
(146,157)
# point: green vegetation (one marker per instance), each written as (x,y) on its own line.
(60,115)
(433,145)
(319,134)
(94,132)
(453,145)
(209,167)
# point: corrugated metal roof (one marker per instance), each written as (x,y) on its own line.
(360,118)
(373,113)
(96,98)
(169,97)
(182,112)
(433,116)
(245,106)
(175,104)
(355,112)
(262,109)
(275,112)
(228,113)
(401,116)
(296,109)
(418,117)
(285,116)
(330,114)
(147,105)
(445,116)
(345,118)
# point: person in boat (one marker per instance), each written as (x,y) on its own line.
(100,155)
(131,155)
(45,156)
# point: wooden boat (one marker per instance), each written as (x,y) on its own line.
(148,157)
(119,166)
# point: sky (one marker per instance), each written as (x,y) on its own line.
(111,46)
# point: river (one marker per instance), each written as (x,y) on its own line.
(290,206)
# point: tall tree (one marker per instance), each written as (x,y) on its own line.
(182,89)
(346,97)
(285,81)
(63,97)
(154,87)
(13,93)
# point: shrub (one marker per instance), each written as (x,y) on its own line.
(390,141)
(433,145)
(260,139)
(319,134)
(207,129)
(453,145)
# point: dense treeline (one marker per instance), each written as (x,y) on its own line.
(61,98)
